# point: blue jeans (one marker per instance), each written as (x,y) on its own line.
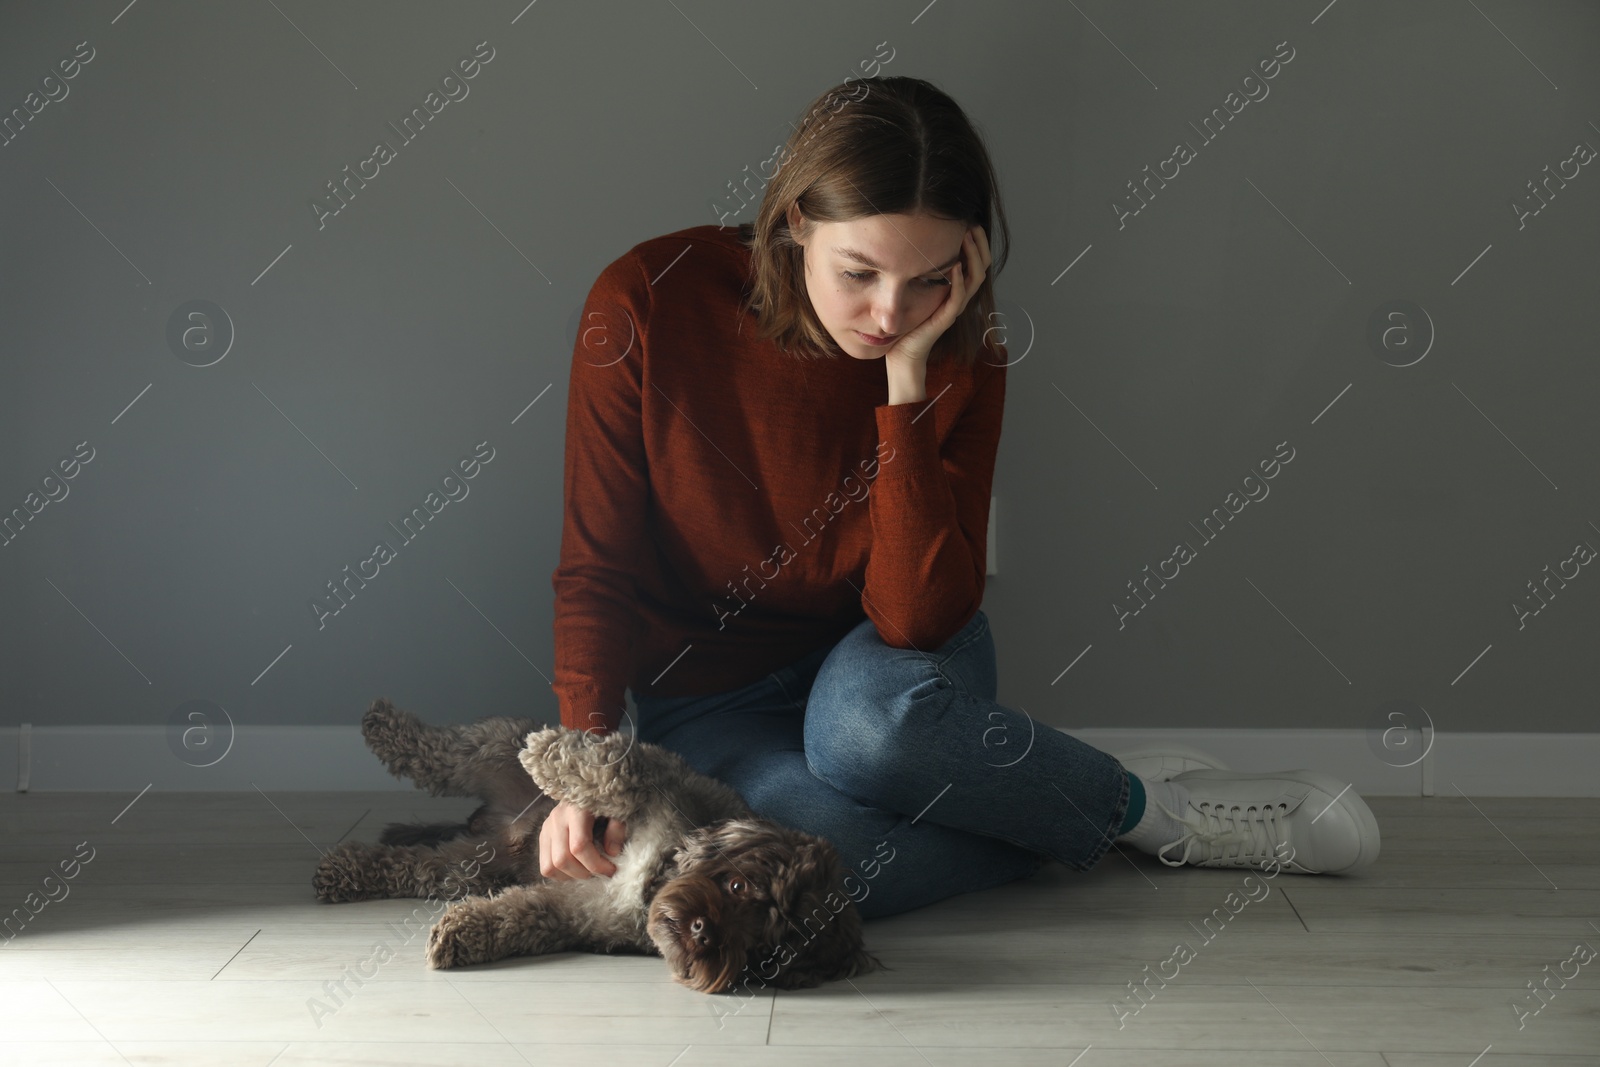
(903,760)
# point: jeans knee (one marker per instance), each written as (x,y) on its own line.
(862,748)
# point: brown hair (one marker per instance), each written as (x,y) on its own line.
(887,146)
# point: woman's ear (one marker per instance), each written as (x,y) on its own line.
(797,225)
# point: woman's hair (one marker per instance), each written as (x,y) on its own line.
(886,146)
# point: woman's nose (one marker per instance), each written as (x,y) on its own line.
(889,316)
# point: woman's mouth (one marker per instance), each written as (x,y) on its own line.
(876,342)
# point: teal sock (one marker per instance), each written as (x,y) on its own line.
(1135,804)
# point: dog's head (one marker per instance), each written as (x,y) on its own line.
(755,902)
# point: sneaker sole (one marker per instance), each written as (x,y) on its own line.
(1159,763)
(1334,792)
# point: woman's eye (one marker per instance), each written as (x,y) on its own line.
(861,276)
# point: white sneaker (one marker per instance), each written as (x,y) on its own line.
(1306,821)
(1159,763)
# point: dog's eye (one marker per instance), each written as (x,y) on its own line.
(735,885)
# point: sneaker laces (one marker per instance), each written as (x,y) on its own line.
(1228,835)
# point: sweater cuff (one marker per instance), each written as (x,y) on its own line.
(593,709)
(909,428)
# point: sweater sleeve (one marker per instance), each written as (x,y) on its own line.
(930,516)
(606,486)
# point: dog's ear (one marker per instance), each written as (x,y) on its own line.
(829,960)
(819,907)
(711,840)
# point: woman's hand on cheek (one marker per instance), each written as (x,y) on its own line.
(915,346)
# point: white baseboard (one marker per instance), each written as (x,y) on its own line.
(333,758)
(1456,764)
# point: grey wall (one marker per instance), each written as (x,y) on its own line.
(368,355)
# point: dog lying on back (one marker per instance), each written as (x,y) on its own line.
(700,881)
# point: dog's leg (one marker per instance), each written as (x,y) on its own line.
(528,921)
(359,871)
(617,776)
(416,833)
(411,748)
(435,833)
(462,759)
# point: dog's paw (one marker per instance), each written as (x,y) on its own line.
(464,935)
(572,764)
(345,874)
(388,731)
(543,755)
(536,748)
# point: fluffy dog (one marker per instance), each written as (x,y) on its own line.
(700,880)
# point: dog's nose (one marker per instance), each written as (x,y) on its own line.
(697,931)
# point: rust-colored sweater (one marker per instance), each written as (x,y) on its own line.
(731,508)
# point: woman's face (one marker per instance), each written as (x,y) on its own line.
(898,275)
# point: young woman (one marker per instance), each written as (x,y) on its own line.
(780,444)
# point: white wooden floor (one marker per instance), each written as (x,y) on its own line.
(192,937)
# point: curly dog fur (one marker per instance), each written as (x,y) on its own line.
(700,881)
